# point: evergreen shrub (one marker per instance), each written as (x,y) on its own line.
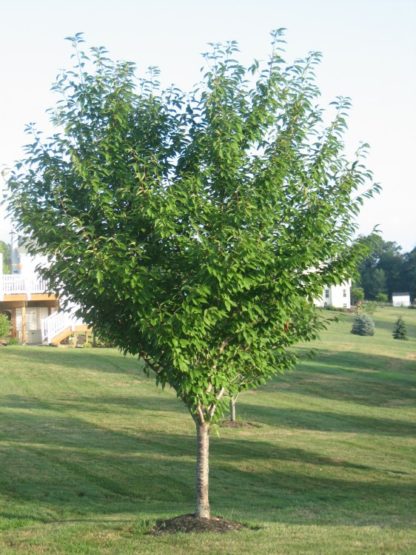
(362,325)
(399,330)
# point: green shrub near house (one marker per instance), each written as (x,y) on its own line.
(382,298)
(4,326)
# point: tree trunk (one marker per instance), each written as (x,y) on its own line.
(202,471)
(232,409)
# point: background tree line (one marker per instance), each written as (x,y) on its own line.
(386,269)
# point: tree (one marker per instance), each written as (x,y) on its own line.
(382,298)
(362,325)
(4,325)
(192,230)
(372,278)
(384,269)
(391,262)
(6,252)
(399,330)
(409,273)
(305,324)
(357,295)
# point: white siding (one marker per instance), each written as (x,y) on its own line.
(336,296)
(402,299)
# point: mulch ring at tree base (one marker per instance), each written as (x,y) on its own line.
(190,523)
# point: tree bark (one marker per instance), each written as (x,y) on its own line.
(202,471)
(232,409)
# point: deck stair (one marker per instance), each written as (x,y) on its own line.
(59,326)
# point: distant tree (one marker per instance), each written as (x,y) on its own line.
(193,230)
(362,325)
(303,321)
(378,284)
(6,252)
(391,263)
(357,295)
(4,325)
(233,409)
(372,245)
(382,298)
(382,270)
(369,307)
(409,273)
(400,330)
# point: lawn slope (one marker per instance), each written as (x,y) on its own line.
(92,453)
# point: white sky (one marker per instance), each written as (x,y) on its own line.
(369,49)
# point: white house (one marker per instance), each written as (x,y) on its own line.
(31,308)
(401,299)
(336,296)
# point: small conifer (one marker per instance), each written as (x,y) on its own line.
(399,330)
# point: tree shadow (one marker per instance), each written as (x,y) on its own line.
(61,432)
(372,380)
(103,403)
(326,421)
(58,462)
(107,473)
(388,326)
(99,360)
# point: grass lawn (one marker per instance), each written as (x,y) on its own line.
(92,453)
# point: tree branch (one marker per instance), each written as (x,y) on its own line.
(153,366)
(213,407)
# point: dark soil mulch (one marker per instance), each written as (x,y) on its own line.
(190,523)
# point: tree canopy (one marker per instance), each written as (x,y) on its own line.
(194,230)
(5,250)
(386,269)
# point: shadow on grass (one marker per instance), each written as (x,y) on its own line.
(65,468)
(146,486)
(388,326)
(366,379)
(372,380)
(99,360)
(326,421)
(139,407)
(62,466)
(60,432)
(100,404)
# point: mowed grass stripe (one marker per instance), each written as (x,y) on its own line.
(91,452)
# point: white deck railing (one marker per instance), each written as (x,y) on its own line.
(57,322)
(13,284)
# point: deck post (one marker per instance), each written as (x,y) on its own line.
(24,334)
